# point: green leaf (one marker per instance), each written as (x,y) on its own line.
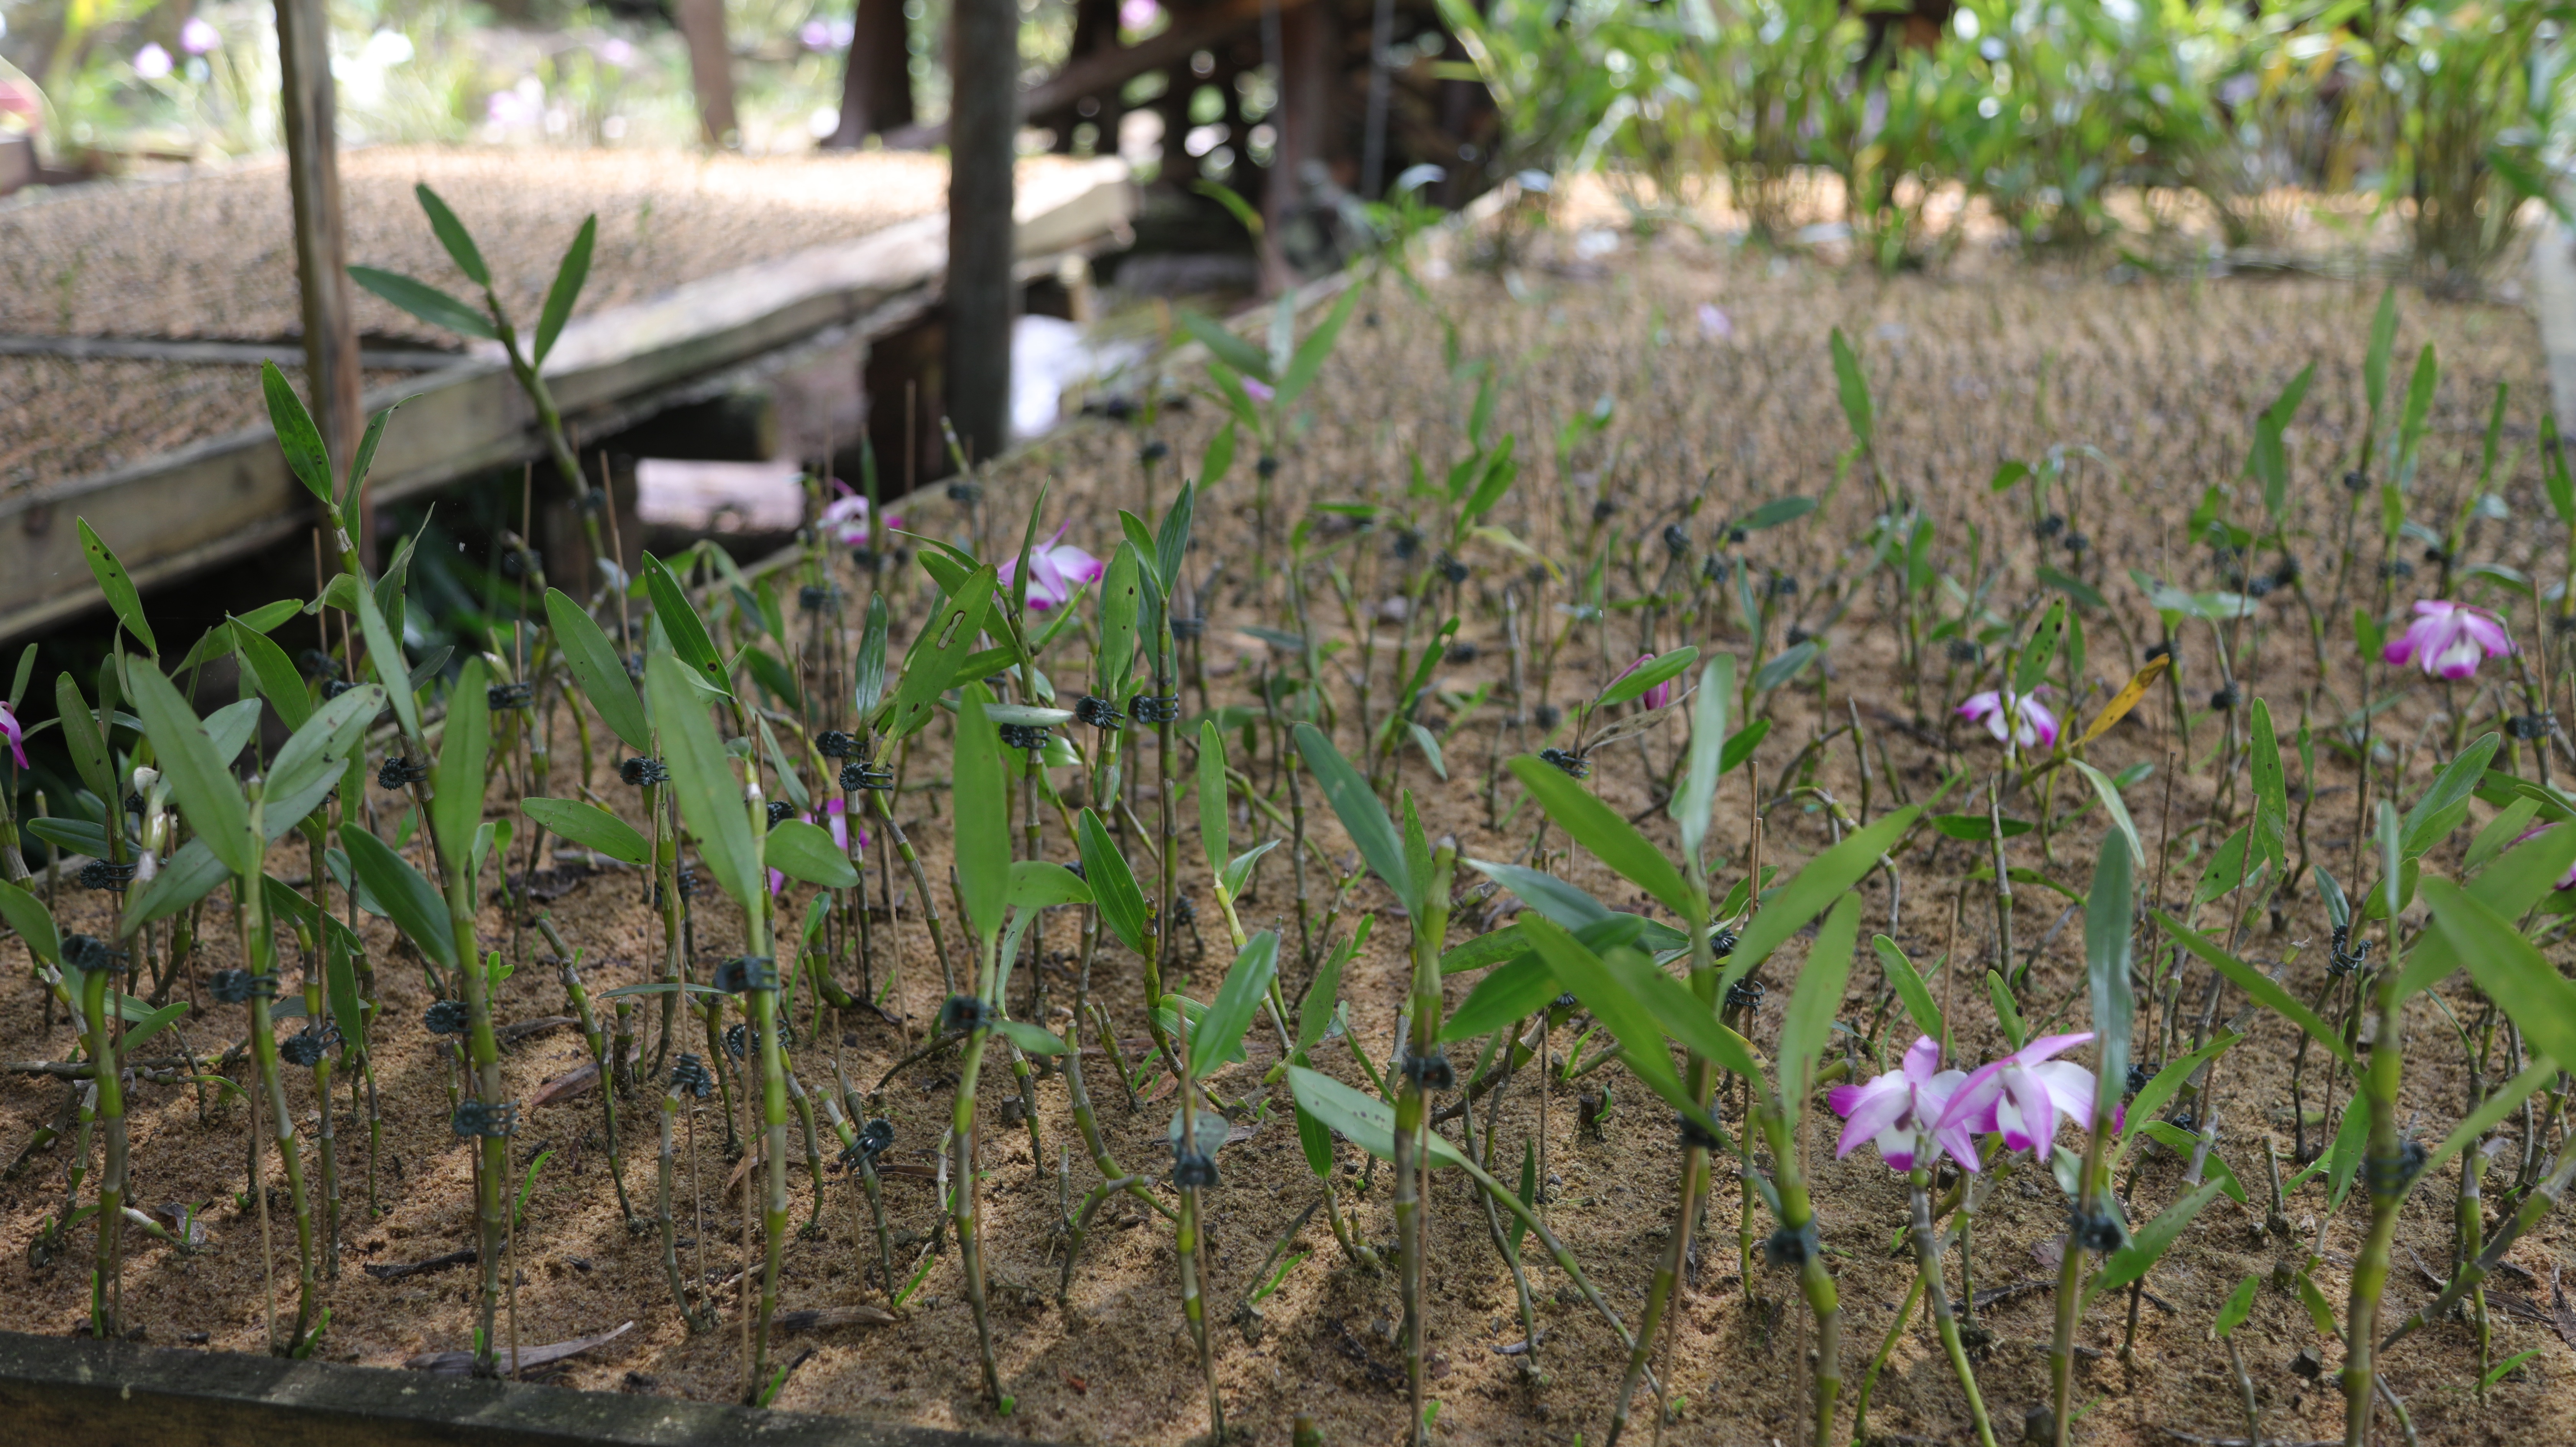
(464,756)
(1775,512)
(317,757)
(410,901)
(1657,670)
(1813,1003)
(1597,827)
(2542,1073)
(1641,1042)
(593,827)
(2271,796)
(275,674)
(944,642)
(2030,668)
(1787,666)
(867,671)
(87,746)
(569,276)
(1691,806)
(2433,816)
(426,302)
(1219,1033)
(1741,744)
(2257,985)
(1113,884)
(452,235)
(2231,867)
(1172,539)
(1363,1120)
(2168,1082)
(2512,887)
(1362,816)
(683,627)
(34,923)
(1030,1038)
(2239,1305)
(598,670)
(1121,593)
(1826,878)
(1310,355)
(2109,911)
(185,877)
(982,798)
(118,585)
(1978,828)
(1237,352)
(1508,995)
(2007,1013)
(1215,840)
(2133,1261)
(1909,986)
(1853,386)
(2183,1143)
(2523,984)
(385,656)
(704,780)
(206,790)
(297,437)
(1038,883)
(2118,808)
(365,461)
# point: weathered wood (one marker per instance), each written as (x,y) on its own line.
(63,1390)
(309,116)
(983,128)
(245,354)
(1105,71)
(174,514)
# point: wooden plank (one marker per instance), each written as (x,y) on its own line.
(174,514)
(74,1390)
(216,354)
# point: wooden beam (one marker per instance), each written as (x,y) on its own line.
(1107,70)
(240,354)
(310,119)
(55,1389)
(984,125)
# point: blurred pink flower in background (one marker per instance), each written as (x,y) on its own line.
(1055,572)
(1137,14)
(847,518)
(2449,640)
(2024,722)
(615,51)
(1896,1110)
(198,36)
(152,62)
(1714,325)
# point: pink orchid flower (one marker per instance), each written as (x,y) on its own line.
(1898,1109)
(1655,697)
(2020,720)
(1055,572)
(15,733)
(2023,1094)
(847,518)
(2565,881)
(197,36)
(1259,390)
(2449,640)
(840,827)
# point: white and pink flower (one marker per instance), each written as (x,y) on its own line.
(2449,640)
(847,520)
(15,733)
(1056,572)
(2024,1094)
(2020,720)
(1898,1110)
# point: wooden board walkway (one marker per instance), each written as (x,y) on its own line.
(183,511)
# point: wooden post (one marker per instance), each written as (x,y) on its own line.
(321,239)
(1307,48)
(702,24)
(1095,33)
(876,79)
(984,118)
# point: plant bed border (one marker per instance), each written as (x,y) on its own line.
(55,1389)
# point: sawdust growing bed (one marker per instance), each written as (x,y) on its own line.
(1721,390)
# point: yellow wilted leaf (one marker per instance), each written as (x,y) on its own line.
(2127,699)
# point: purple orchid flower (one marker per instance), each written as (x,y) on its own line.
(1897,1110)
(2020,720)
(1055,572)
(847,518)
(2449,640)
(15,733)
(2023,1094)
(1659,695)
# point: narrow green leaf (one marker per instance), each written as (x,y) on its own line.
(592,827)
(683,627)
(1814,1001)
(944,642)
(2433,816)
(186,877)
(1219,1033)
(2118,808)
(317,757)
(2257,985)
(2523,984)
(297,437)
(1661,668)
(385,656)
(2030,668)
(598,670)
(1788,665)
(1363,1120)
(34,923)
(81,738)
(1853,386)
(1909,986)
(1691,806)
(704,780)
(1641,1042)
(1615,842)
(982,798)
(1362,816)
(118,585)
(426,302)
(1113,884)
(2109,911)
(275,674)
(409,900)
(464,757)
(2007,1012)
(207,792)
(1310,355)
(1215,839)
(573,271)
(1826,878)
(2239,1305)
(2135,1260)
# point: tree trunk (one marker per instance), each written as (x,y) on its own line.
(982,127)
(876,81)
(702,24)
(308,117)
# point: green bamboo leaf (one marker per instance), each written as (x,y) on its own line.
(1657,670)
(2513,973)
(1510,994)
(1826,878)
(2135,1260)
(1215,838)
(1698,795)
(1788,665)
(385,656)
(34,923)
(2511,887)
(207,792)
(2256,984)
(704,780)
(867,672)
(1812,1004)
(118,585)
(944,642)
(1219,1033)
(1490,948)
(453,236)
(1908,985)
(683,627)
(316,757)
(598,670)
(982,798)
(410,901)
(275,675)
(593,827)
(1362,816)
(81,738)
(426,302)
(1597,827)
(1310,355)
(1363,1120)
(2110,911)
(2443,805)
(1641,1042)
(2239,1305)
(185,877)
(570,274)
(1113,884)
(464,759)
